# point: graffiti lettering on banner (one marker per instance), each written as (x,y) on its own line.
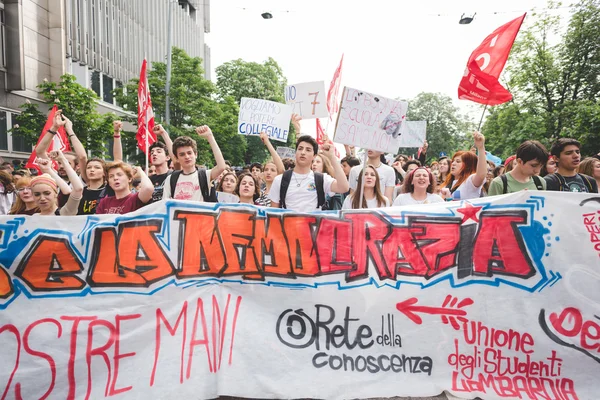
(307,99)
(370,121)
(258,116)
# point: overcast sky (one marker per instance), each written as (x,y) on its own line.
(391,48)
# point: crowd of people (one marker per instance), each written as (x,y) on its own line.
(73,184)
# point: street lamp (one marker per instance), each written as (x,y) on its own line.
(466,20)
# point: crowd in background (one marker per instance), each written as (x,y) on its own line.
(73,184)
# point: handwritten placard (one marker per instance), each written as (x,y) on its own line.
(286,152)
(257,115)
(307,99)
(414,134)
(370,121)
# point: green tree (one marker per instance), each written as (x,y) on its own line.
(238,78)
(555,86)
(192,103)
(78,104)
(446,127)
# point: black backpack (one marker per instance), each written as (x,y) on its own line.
(536,180)
(285,183)
(208,196)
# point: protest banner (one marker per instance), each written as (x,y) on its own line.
(258,116)
(307,99)
(286,152)
(370,121)
(494,297)
(414,134)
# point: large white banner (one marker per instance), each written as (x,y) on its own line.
(370,121)
(258,116)
(307,99)
(496,298)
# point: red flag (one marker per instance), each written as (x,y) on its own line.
(480,81)
(321,138)
(60,141)
(145,113)
(334,88)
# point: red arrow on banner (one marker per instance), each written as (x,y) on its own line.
(408,308)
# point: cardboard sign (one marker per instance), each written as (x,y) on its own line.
(309,100)
(495,297)
(258,116)
(414,134)
(223,197)
(370,121)
(286,152)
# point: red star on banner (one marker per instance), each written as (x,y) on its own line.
(469,212)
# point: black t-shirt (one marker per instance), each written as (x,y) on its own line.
(578,183)
(90,199)
(159,182)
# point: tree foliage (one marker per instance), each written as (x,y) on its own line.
(238,78)
(78,104)
(192,103)
(446,127)
(555,86)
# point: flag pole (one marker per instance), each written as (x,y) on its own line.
(146,122)
(481,120)
(362,184)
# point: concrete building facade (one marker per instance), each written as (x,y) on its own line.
(101,42)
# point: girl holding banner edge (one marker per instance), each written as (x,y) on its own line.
(467,173)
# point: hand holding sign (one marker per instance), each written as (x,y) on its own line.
(296,122)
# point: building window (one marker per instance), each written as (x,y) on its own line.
(107,89)
(18,144)
(118,85)
(95,82)
(3,131)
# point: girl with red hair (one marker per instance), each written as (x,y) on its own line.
(467,173)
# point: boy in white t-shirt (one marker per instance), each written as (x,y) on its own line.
(302,192)
(387,176)
(188,185)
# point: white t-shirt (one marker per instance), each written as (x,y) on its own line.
(387,176)
(302,193)
(187,187)
(370,203)
(406,199)
(467,190)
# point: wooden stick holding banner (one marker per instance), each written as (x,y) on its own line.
(362,184)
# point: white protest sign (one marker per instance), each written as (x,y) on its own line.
(224,197)
(286,152)
(370,121)
(307,99)
(414,134)
(257,115)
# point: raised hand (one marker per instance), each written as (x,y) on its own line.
(58,120)
(204,132)
(479,140)
(56,155)
(117,126)
(264,137)
(44,164)
(158,129)
(296,122)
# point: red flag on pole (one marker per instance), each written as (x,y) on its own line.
(60,141)
(145,136)
(334,88)
(480,81)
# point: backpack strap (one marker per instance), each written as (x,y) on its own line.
(561,181)
(586,179)
(504,183)
(209,195)
(285,184)
(173,181)
(538,182)
(319,182)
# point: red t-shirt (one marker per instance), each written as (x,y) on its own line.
(112,205)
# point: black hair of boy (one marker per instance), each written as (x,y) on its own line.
(160,145)
(184,141)
(308,139)
(532,150)
(559,145)
(351,161)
